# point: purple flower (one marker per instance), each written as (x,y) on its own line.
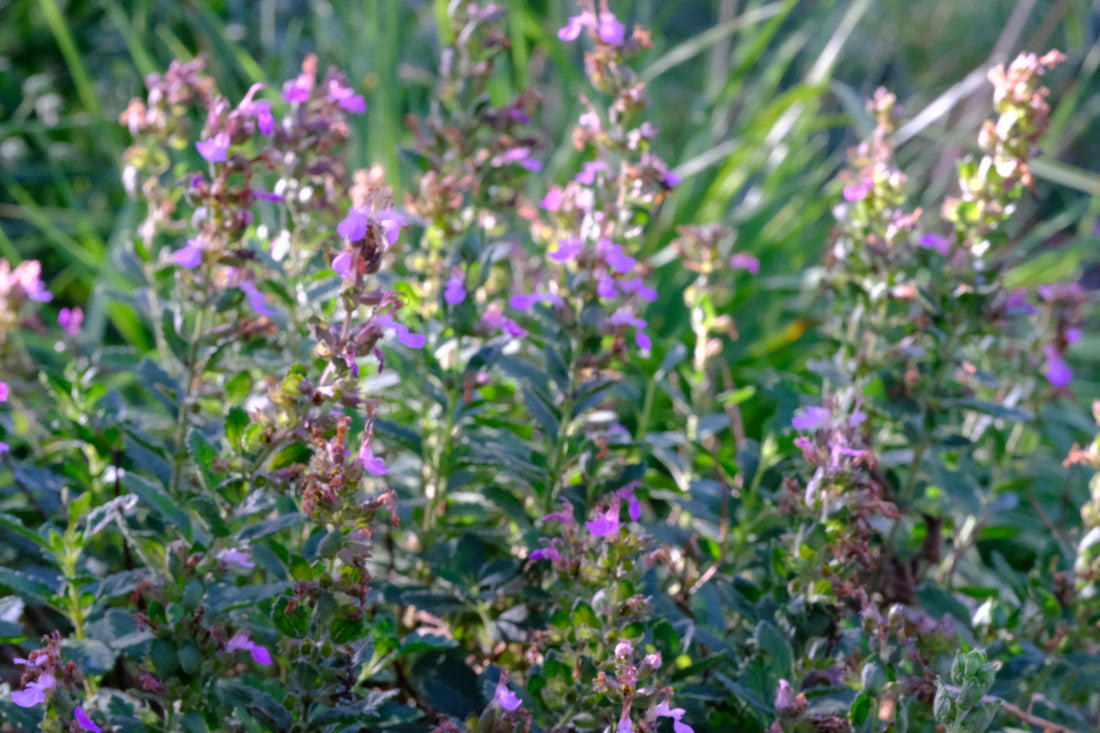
(590,120)
(215,150)
(624,318)
(260,655)
(745,261)
(588,175)
(265,196)
(517,155)
(240,557)
(652,661)
(256,298)
(260,110)
(552,200)
(637,285)
(549,552)
(372,464)
(70,320)
(624,726)
(85,722)
(662,710)
(298,90)
(857,192)
(606,288)
(4,393)
(341,263)
(404,335)
(1017,300)
(493,318)
(605,522)
(571,31)
(35,692)
(346,98)
(189,256)
(1073,335)
(784,697)
(565,515)
(611,31)
(672,180)
(4,447)
(391,222)
(354,225)
(567,250)
(633,507)
(810,419)
(507,699)
(934,241)
(455,292)
(618,261)
(522,302)
(1058,371)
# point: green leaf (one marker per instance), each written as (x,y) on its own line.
(29,587)
(158,500)
(235,424)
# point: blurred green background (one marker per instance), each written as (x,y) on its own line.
(757,102)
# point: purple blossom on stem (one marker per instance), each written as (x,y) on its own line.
(455,291)
(189,256)
(261,110)
(215,150)
(606,522)
(565,515)
(858,192)
(618,261)
(1017,300)
(240,557)
(552,200)
(606,287)
(257,299)
(70,319)
(637,285)
(346,98)
(588,175)
(624,726)
(625,318)
(493,318)
(662,710)
(372,464)
(85,722)
(811,418)
(507,699)
(404,335)
(4,393)
(745,261)
(241,641)
(298,90)
(34,692)
(571,31)
(354,225)
(567,250)
(1073,335)
(633,507)
(265,196)
(1058,373)
(931,240)
(342,264)
(610,31)
(548,552)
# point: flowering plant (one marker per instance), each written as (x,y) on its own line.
(471,455)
